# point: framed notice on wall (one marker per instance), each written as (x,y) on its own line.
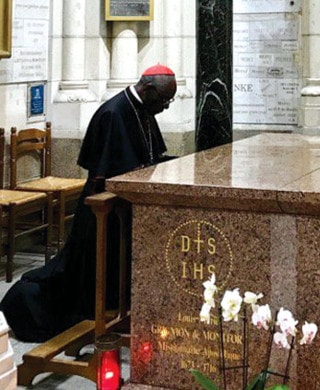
(129,10)
(5,28)
(36,102)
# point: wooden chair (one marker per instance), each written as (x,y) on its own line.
(49,356)
(37,143)
(16,207)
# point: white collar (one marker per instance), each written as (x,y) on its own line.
(135,94)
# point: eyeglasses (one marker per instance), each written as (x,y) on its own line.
(166,102)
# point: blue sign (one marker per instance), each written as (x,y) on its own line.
(37,99)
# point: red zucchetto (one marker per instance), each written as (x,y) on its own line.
(158,70)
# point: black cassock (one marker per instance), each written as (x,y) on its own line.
(50,299)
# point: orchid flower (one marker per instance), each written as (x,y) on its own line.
(231,305)
(280,340)
(286,322)
(205,313)
(261,316)
(309,331)
(209,290)
(251,298)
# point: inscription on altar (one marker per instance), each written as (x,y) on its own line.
(194,251)
(196,345)
(179,340)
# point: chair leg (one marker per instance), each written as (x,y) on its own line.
(49,223)
(11,243)
(61,220)
(1,233)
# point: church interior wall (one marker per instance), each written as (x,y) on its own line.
(169,38)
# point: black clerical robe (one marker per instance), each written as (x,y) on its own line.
(50,299)
(117,141)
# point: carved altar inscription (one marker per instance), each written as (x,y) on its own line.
(170,339)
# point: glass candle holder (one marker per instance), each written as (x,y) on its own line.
(108,359)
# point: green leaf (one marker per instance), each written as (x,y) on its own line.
(278,387)
(205,382)
(257,382)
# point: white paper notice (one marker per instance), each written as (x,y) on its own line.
(266,69)
(261,6)
(29,43)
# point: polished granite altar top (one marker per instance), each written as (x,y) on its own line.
(272,171)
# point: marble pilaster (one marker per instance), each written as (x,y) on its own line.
(74,87)
(124,57)
(214,73)
(310,93)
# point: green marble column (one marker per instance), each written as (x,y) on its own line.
(214,73)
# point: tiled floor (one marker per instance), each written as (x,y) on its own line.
(48,381)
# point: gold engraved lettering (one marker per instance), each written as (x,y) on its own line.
(194,251)
(210,368)
(197,269)
(232,338)
(228,338)
(211,246)
(211,269)
(204,367)
(187,364)
(185,244)
(232,355)
(174,348)
(184,273)
(180,332)
(187,318)
(198,242)
(160,330)
(210,353)
(196,335)
(214,321)
(209,335)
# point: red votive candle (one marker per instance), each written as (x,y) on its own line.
(108,358)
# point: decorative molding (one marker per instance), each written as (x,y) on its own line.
(74,92)
(312,88)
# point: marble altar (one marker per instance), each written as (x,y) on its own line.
(249,210)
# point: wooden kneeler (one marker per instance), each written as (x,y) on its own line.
(44,358)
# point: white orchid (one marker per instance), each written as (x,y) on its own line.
(261,316)
(251,298)
(281,340)
(309,331)
(209,290)
(211,283)
(205,313)
(231,305)
(286,322)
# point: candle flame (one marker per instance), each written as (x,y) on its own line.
(109,375)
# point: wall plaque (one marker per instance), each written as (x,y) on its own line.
(129,10)
(5,28)
(36,102)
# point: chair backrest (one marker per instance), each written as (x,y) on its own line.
(2,146)
(30,142)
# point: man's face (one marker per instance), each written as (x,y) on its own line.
(158,98)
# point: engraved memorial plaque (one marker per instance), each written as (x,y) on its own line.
(129,9)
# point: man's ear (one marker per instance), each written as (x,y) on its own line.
(148,91)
